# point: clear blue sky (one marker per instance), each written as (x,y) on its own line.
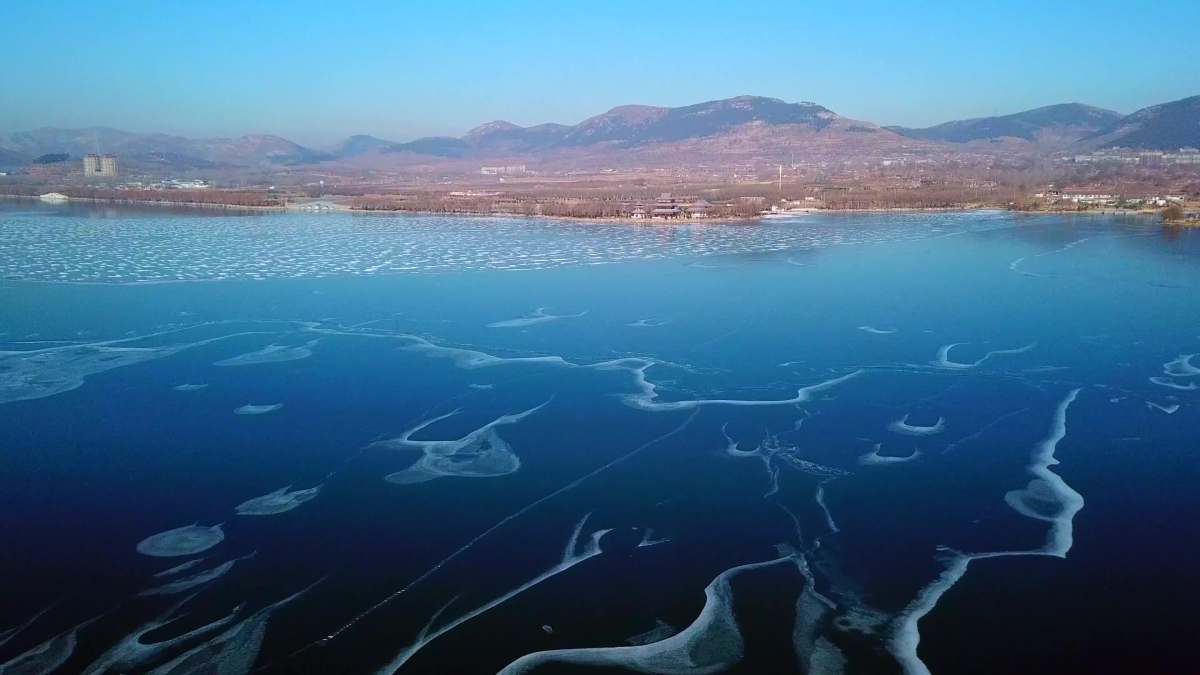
(317,71)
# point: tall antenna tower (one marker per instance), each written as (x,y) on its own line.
(781,178)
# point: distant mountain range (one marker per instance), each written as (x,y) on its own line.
(630,126)
(1160,127)
(150,150)
(745,128)
(1052,125)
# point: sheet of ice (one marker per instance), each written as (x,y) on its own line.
(574,553)
(1169,409)
(47,657)
(901,426)
(765,453)
(189,387)
(943,356)
(712,643)
(39,373)
(198,579)
(1048,489)
(132,654)
(649,538)
(819,497)
(468,359)
(814,652)
(877,331)
(279,501)
(257,408)
(873,458)
(648,323)
(232,652)
(181,541)
(645,396)
(270,354)
(774,455)
(539,316)
(181,567)
(1181,367)
(1047,497)
(170,249)
(1171,384)
(480,454)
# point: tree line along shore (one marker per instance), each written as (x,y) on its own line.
(720,204)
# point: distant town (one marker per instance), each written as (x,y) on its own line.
(733,159)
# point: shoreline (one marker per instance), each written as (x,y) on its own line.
(626,220)
(145,202)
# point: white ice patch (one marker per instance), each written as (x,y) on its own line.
(1047,497)
(186,540)
(1048,489)
(270,354)
(649,539)
(1181,367)
(170,249)
(468,359)
(819,498)
(539,316)
(192,581)
(646,395)
(1171,384)
(282,500)
(232,652)
(480,454)
(131,654)
(573,554)
(873,458)
(901,426)
(39,373)
(257,409)
(47,657)
(181,567)
(943,356)
(648,323)
(710,644)
(1169,409)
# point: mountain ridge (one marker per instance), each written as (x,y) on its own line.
(742,128)
(1062,121)
(1166,126)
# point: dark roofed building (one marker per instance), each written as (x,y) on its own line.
(666,207)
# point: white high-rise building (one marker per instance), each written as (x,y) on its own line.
(103,166)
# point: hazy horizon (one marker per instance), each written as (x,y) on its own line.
(317,75)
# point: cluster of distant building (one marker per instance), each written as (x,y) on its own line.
(1087,197)
(512,170)
(170,184)
(1141,157)
(667,207)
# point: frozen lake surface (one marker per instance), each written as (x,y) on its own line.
(874,443)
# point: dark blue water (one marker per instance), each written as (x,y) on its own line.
(866,444)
